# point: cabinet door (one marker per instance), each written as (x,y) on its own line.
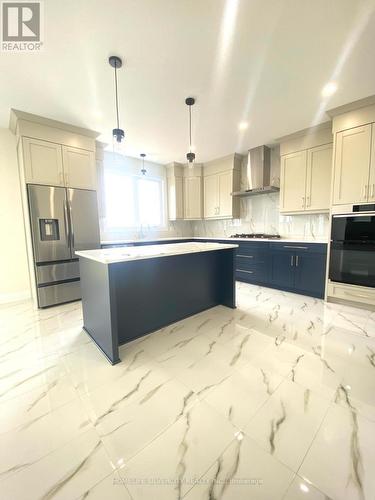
(293,182)
(318,180)
(225,188)
(282,269)
(352,165)
(371,193)
(310,273)
(193,197)
(43,162)
(79,168)
(175,198)
(211,199)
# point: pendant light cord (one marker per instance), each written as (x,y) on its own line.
(190,128)
(116,94)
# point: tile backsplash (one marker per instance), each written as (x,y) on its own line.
(260,214)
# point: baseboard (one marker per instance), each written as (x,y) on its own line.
(7,298)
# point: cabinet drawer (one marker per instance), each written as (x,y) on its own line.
(362,295)
(257,273)
(299,247)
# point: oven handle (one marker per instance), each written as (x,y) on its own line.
(357,214)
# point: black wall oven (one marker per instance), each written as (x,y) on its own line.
(352,255)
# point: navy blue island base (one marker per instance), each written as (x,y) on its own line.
(125,300)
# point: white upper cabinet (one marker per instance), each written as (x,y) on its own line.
(43,162)
(371,190)
(221,179)
(175,191)
(225,189)
(56,165)
(306,170)
(211,198)
(352,166)
(175,198)
(193,197)
(79,168)
(293,182)
(318,178)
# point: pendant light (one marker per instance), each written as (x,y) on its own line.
(117,133)
(143,170)
(190,101)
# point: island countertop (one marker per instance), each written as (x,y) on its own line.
(124,254)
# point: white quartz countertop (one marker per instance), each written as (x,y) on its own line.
(214,238)
(125,254)
(274,240)
(145,240)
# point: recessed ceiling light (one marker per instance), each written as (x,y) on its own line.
(243,125)
(329,89)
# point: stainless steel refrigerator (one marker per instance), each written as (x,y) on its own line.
(63,220)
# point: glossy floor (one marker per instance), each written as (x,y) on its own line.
(273,400)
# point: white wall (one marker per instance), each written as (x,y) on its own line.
(14,277)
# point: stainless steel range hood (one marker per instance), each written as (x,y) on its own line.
(258,172)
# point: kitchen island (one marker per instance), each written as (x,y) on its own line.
(128,292)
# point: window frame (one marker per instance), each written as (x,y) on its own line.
(135,180)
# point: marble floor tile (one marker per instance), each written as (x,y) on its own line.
(286,424)
(111,487)
(128,428)
(341,459)
(243,393)
(291,375)
(33,440)
(190,446)
(243,471)
(66,473)
(301,489)
(27,407)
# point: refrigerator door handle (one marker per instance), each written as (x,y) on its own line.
(71,228)
(66,222)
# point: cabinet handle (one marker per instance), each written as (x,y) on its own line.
(303,202)
(243,271)
(365,192)
(292,260)
(373,191)
(297,260)
(245,256)
(308,201)
(297,247)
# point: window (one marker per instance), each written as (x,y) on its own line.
(132,201)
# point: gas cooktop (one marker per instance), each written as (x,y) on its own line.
(257,235)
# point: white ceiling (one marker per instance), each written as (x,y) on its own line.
(262,61)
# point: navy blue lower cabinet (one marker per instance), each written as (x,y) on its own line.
(310,273)
(299,268)
(281,269)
